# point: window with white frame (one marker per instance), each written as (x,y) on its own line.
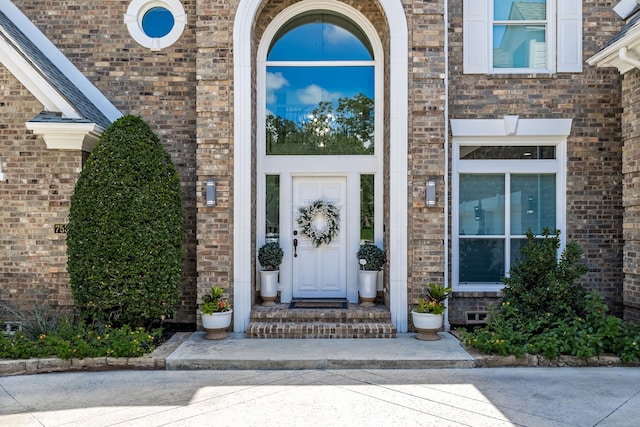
(155,24)
(522,36)
(506,180)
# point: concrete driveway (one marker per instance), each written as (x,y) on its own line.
(386,397)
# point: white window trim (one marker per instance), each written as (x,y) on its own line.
(499,132)
(398,163)
(564,38)
(136,11)
(550,42)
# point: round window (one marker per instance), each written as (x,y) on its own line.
(155,24)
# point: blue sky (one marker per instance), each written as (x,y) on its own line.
(306,86)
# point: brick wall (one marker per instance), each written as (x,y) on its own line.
(592,100)
(631,199)
(33,199)
(185,92)
(157,86)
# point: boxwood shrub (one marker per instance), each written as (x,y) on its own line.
(125,234)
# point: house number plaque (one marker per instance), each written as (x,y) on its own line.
(60,228)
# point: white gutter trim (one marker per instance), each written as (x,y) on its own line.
(624,55)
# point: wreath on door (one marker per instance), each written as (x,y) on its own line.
(320,222)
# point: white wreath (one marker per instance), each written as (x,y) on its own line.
(320,222)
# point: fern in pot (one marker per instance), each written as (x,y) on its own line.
(270,257)
(428,314)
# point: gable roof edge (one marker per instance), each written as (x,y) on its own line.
(38,85)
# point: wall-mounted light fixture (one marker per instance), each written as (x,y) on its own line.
(430,193)
(3,177)
(211,192)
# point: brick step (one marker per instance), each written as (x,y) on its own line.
(311,330)
(353,314)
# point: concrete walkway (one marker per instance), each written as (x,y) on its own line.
(404,352)
(363,397)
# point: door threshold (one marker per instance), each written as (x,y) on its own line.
(338,303)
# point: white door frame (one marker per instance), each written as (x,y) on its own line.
(344,243)
(242,169)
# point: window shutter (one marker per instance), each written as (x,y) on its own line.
(475,34)
(569,51)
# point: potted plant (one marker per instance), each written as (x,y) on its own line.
(428,314)
(371,259)
(216,314)
(270,257)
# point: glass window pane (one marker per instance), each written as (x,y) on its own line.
(518,10)
(481,204)
(516,246)
(519,46)
(367,198)
(481,260)
(540,152)
(320,110)
(533,203)
(320,37)
(272,198)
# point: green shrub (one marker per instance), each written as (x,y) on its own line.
(79,341)
(544,312)
(270,256)
(125,239)
(371,258)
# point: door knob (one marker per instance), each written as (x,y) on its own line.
(295,247)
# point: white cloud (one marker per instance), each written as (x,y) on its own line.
(336,35)
(314,94)
(275,81)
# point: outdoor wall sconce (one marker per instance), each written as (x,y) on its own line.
(430,193)
(211,192)
(3,177)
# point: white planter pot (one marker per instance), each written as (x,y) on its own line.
(269,287)
(216,324)
(427,325)
(367,287)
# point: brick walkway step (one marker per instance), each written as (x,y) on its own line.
(311,330)
(353,314)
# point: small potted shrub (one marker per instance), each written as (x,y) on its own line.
(216,314)
(270,257)
(371,259)
(428,314)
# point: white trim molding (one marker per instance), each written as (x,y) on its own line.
(623,54)
(67,136)
(136,12)
(242,172)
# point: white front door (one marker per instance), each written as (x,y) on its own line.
(319,272)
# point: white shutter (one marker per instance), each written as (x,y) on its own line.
(475,36)
(569,52)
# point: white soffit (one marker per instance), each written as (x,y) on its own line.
(67,136)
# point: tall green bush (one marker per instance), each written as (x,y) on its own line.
(125,238)
(543,310)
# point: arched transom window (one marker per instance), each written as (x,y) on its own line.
(320,84)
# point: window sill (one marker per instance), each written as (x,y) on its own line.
(523,76)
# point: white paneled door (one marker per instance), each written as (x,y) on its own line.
(319,272)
